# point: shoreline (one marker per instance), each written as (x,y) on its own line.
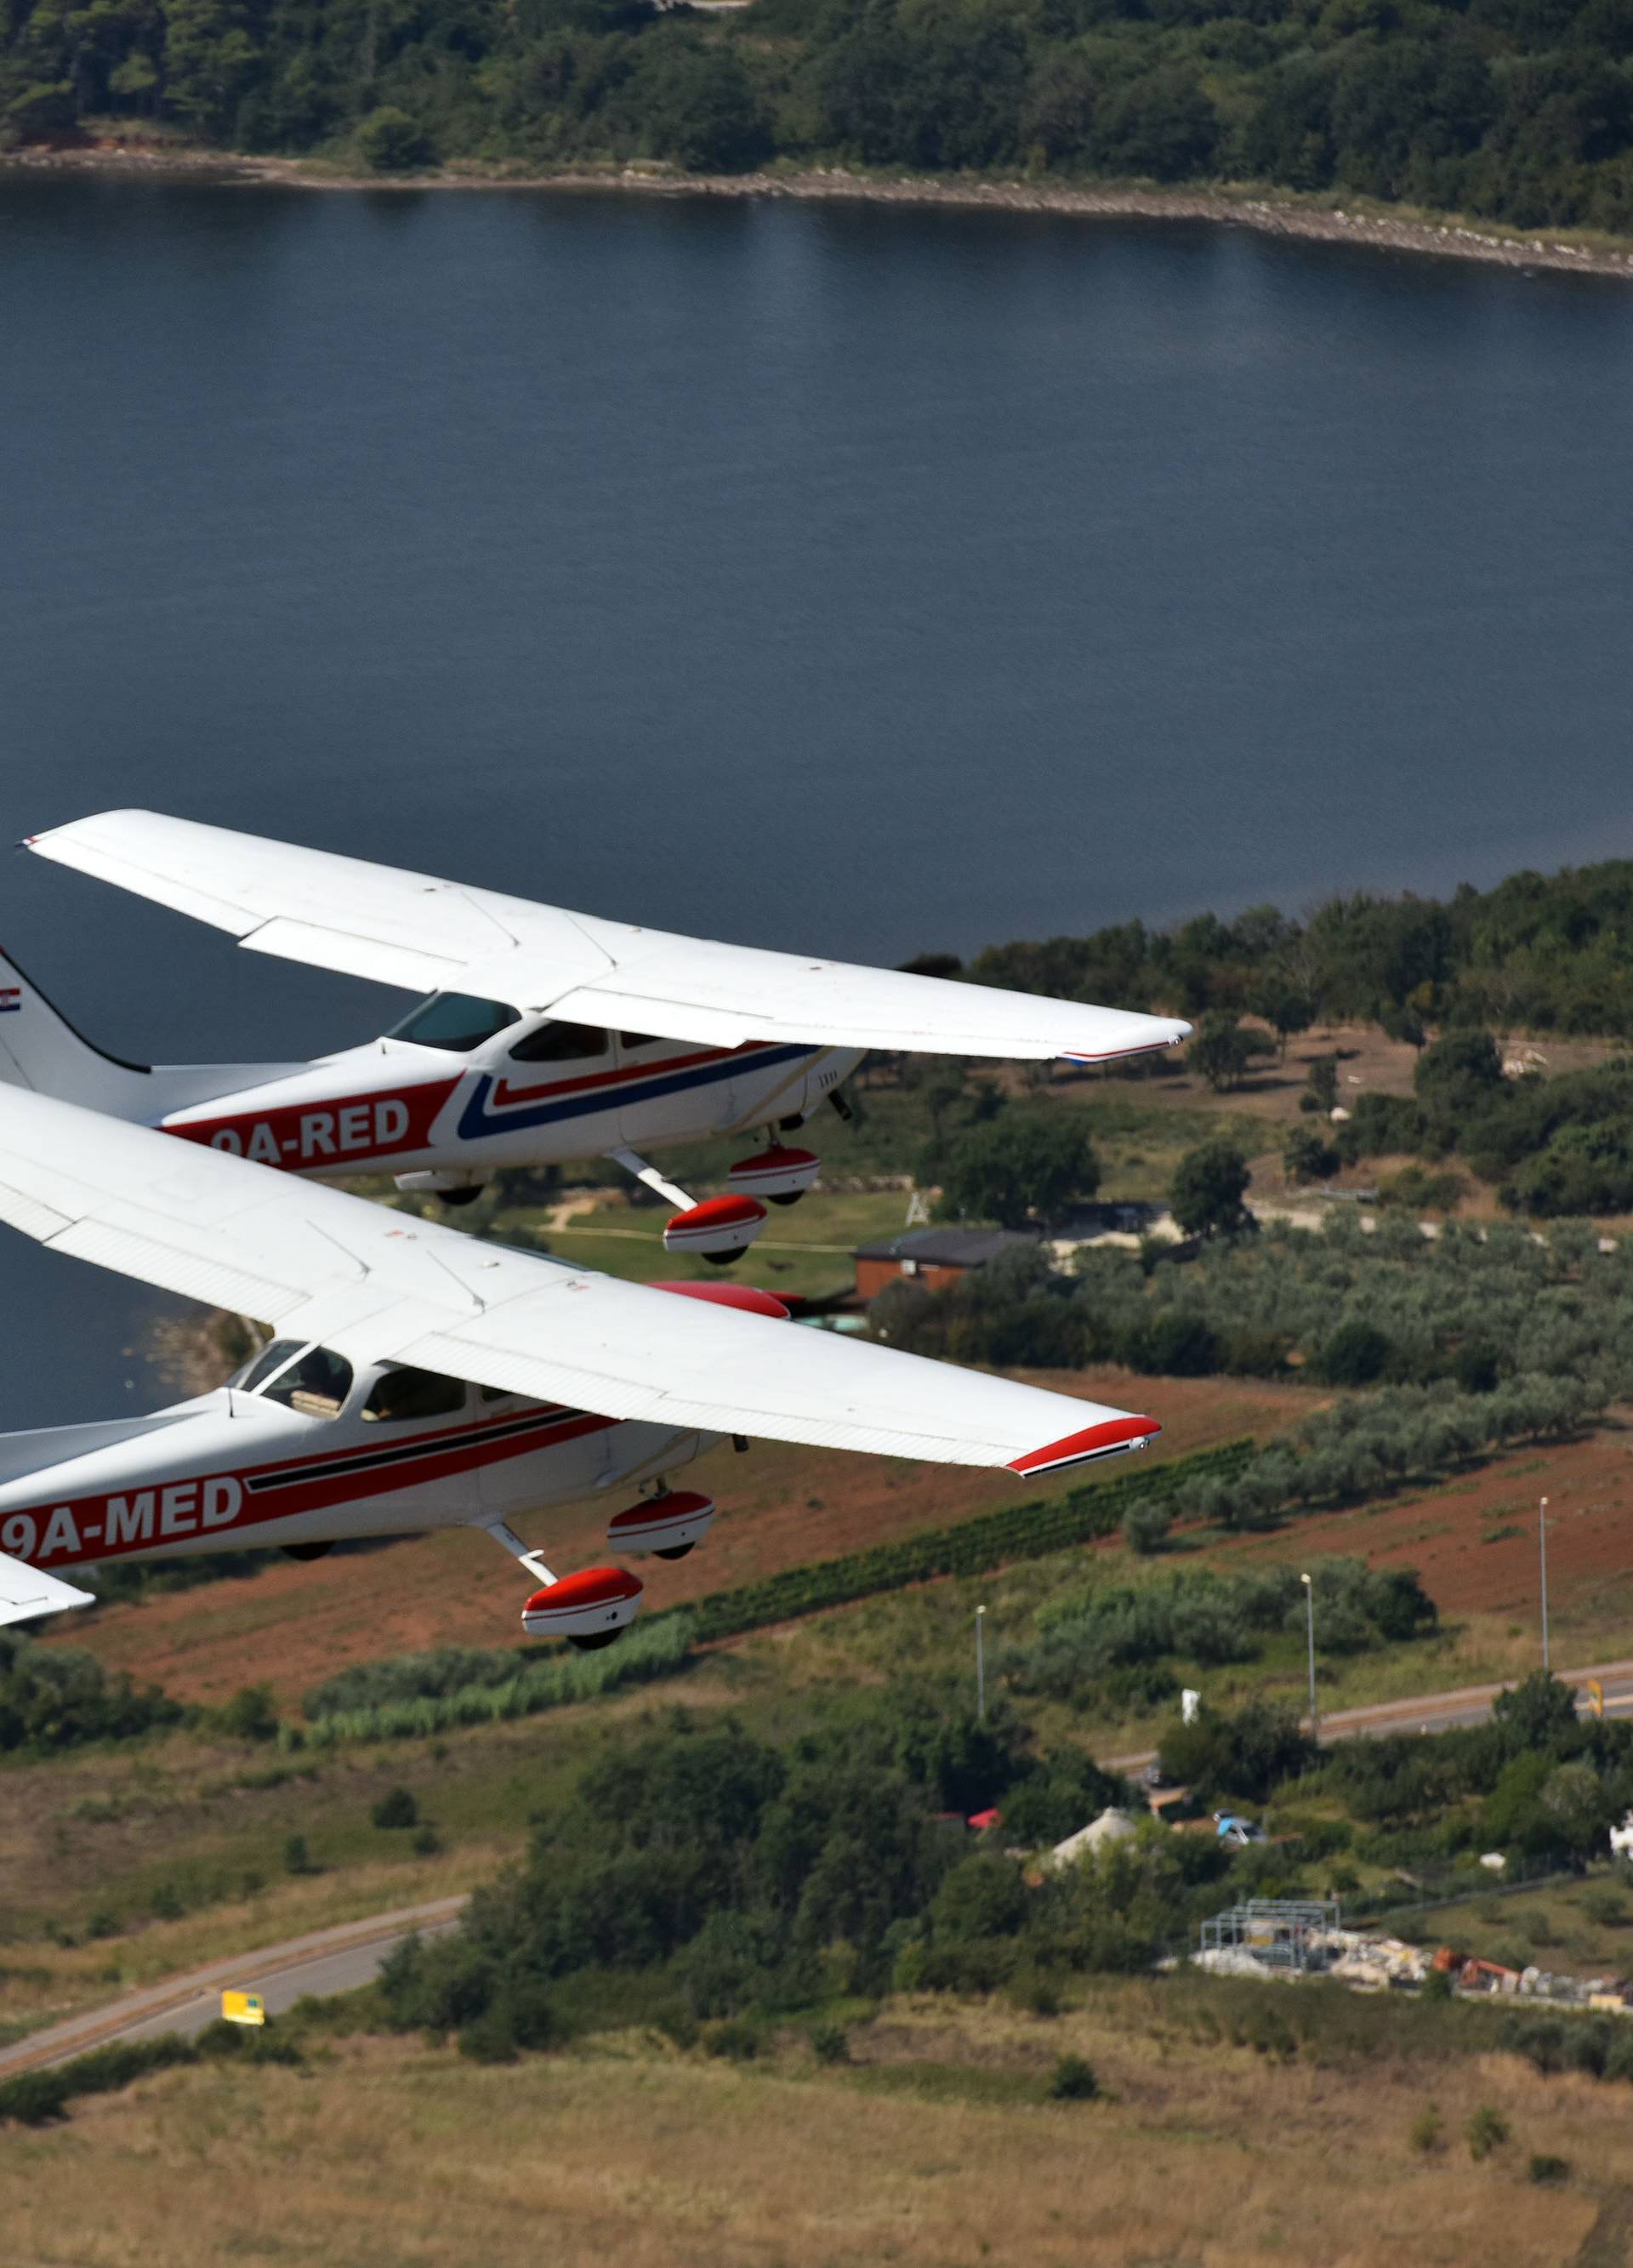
(1272,215)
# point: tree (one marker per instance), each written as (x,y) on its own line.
(1284,1006)
(1223,1051)
(1460,1074)
(1207,1191)
(698,105)
(1161,123)
(1534,1712)
(1355,1354)
(1021,1166)
(1321,1083)
(390,141)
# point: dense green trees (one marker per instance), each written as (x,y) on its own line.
(1540,953)
(1019,1166)
(1111,1645)
(1478,1311)
(59,1697)
(1517,108)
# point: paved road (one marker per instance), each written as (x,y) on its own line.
(325,1961)
(1440,1713)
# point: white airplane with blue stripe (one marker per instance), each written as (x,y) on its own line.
(546,1035)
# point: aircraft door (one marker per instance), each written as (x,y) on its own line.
(559,1076)
(564,1461)
(666,1090)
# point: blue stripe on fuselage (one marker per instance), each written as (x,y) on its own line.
(477,1120)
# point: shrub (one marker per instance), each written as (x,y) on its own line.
(831,2043)
(406,1697)
(427,1842)
(1173,1346)
(1355,1355)
(1073,2079)
(1428,2129)
(1146,1527)
(732,2038)
(250,1715)
(1487,2131)
(1306,1158)
(1608,1908)
(34,2098)
(296,1857)
(59,1697)
(1546,2169)
(396,1809)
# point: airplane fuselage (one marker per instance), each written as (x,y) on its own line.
(233,1467)
(395,1106)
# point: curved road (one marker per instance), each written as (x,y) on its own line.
(325,1961)
(1441,1712)
(338,1960)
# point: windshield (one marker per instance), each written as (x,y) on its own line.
(309,1379)
(560,1044)
(455,1021)
(405,1393)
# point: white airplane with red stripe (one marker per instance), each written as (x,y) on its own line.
(418,1379)
(548,1035)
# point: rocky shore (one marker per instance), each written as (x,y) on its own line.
(1275,216)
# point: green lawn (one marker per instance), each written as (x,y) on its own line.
(806,1249)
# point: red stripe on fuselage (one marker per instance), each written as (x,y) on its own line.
(345,1129)
(504,1092)
(468,1449)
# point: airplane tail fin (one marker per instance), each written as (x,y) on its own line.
(40,1048)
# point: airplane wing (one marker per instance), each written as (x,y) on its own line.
(429,935)
(25,1593)
(381,1285)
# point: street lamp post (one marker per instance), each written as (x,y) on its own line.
(980,1663)
(1309,1603)
(1542,1556)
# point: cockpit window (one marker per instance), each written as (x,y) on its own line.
(455,1021)
(628,1040)
(560,1044)
(399,1393)
(309,1379)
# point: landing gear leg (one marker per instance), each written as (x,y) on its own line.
(588,1610)
(719,1230)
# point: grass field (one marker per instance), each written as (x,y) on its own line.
(936,2145)
(1574,1929)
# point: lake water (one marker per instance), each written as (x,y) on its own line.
(855,578)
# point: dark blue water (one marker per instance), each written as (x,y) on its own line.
(860,579)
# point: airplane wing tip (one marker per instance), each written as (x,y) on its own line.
(27,1592)
(1162,1032)
(1112,1437)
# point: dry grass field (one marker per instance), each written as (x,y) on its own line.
(936,2146)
